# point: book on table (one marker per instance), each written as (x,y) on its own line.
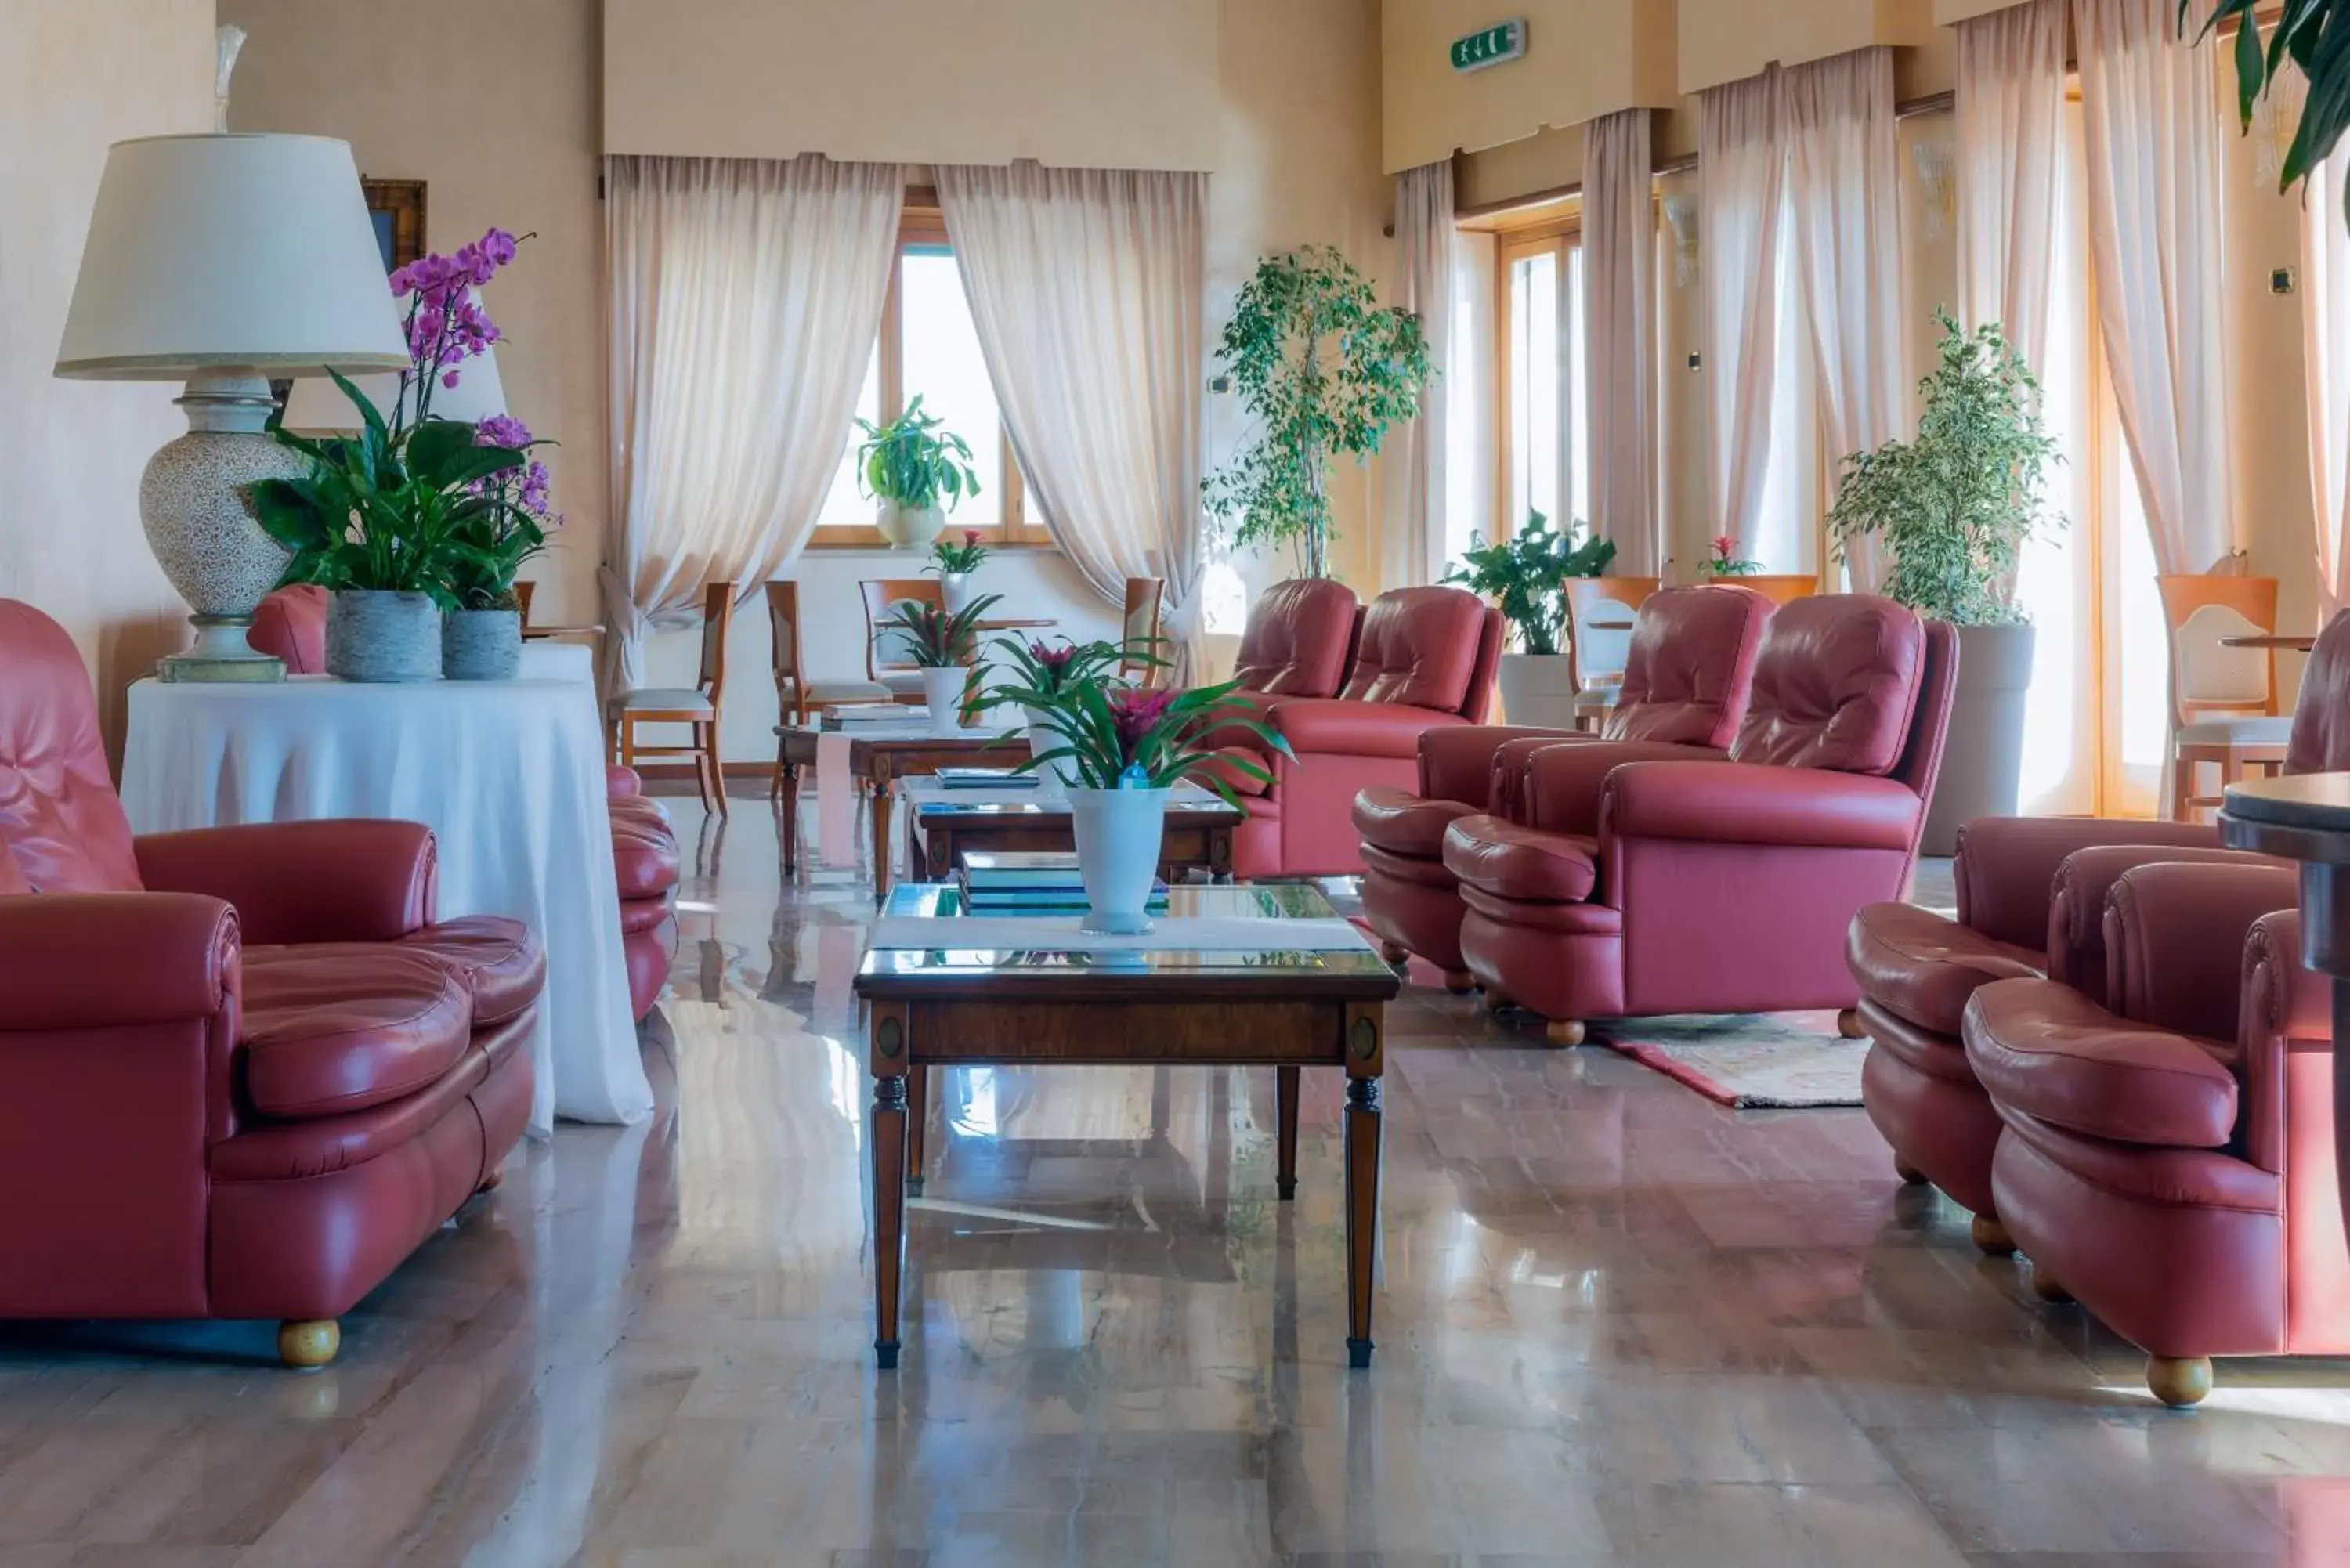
(992,870)
(985,778)
(851,715)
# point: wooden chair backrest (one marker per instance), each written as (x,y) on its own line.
(717,615)
(1139,623)
(2205,677)
(879,594)
(522,599)
(1583,597)
(1779,587)
(784,631)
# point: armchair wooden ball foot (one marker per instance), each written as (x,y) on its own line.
(1909,1174)
(1496,1003)
(1394,953)
(310,1344)
(2179,1381)
(2048,1288)
(1459,981)
(1564,1032)
(1848,1025)
(1991,1236)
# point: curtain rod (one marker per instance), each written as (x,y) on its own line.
(1932,103)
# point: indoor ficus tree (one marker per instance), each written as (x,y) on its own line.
(1323,369)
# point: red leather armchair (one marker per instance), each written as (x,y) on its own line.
(1686,683)
(291,623)
(2167,1158)
(1299,640)
(270,1072)
(2031,902)
(1424,660)
(1643,883)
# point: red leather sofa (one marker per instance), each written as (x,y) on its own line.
(2167,1157)
(1642,883)
(292,624)
(1423,660)
(2031,902)
(1686,683)
(247,1072)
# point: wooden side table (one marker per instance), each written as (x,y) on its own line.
(876,760)
(944,825)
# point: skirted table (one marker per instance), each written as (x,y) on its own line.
(509,774)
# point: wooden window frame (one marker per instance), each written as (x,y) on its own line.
(1512,243)
(923,226)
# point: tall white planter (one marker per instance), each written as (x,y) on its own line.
(942,689)
(1537,689)
(954,587)
(1982,757)
(1119,832)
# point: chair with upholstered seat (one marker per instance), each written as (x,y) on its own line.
(888,661)
(699,707)
(1600,614)
(2223,700)
(795,691)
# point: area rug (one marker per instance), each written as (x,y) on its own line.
(1788,1060)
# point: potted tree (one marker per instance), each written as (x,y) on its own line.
(1324,371)
(1954,507)
(918,470)
(943,644)
(1525,574)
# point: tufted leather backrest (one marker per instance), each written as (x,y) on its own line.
(59,820)
(2321,716)
(1299,639)
(291,625)
(1835,684)
(1419,649)
(1691,666)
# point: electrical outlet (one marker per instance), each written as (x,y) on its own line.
(2281,281)
(1220,385)
(1697,361)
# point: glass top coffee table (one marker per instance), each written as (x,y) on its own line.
(943,824)
(1246,976)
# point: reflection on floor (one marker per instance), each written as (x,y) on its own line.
(1619,1325)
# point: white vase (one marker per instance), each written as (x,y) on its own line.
(955,588)
(942,689)
(911,528)
(1118,832)
(1043,739)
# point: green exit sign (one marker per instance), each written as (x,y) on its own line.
(1493,45)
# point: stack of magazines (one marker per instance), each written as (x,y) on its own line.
(1031,882)
(857,715)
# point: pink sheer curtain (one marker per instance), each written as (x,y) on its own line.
(1619,314)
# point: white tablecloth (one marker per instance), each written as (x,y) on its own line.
(508,774)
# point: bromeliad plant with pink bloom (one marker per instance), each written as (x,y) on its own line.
(1120,737)
(1726,562)
(950,559)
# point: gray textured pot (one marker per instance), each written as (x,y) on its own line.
(1983,757)
(379,635)
(481,645)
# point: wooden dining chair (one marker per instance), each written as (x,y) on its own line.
(1599,615)
(882,665)
(796,692)
(1138,624)
(523,591)
(2223,700)
(698,706)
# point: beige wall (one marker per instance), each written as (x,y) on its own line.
(1584,58)
(495,108)
(76,76)
(1948,11)
(1127,84)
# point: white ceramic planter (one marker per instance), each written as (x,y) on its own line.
(1119,832)
(942,689)
(1537,689)
(955,588)
(912,528)
(377,636)
(1983,758)
(481,645)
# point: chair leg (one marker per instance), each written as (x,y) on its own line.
(2182,790)
(308,1344)
(1848,1023)
(717,771)
(1991,1236)
(1565,1032)
(2178,1381)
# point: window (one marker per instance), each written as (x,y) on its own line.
(929,347)
(1545,452)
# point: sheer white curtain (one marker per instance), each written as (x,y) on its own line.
(2011,166)
(1471,427)
(1086,285)
(2325,327)
(2151,116)
(1619,314)
(1741,170)
(1417,459)
(1844,199)
(745,296)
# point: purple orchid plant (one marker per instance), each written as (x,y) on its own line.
(446,325)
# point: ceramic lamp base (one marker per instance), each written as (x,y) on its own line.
(220,654)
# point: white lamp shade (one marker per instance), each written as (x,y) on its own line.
(230,251)
(319,404)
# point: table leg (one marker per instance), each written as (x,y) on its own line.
(1362,1213)
(883,797)
(789,783)
(1284,1110)
(917,1117)
(889,1214)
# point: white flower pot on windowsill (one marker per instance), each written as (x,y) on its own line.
(911,528)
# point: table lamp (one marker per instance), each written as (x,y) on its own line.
(225,260)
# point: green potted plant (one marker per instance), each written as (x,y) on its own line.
(918,470)
(1124,750)
(955,562)
(1324,371)
(944,645)
(1954,507)
(1525,574)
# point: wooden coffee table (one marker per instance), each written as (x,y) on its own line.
(1042,993)
(879,756)
(942,824)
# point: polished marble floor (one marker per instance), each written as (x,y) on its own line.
(1618,1325)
